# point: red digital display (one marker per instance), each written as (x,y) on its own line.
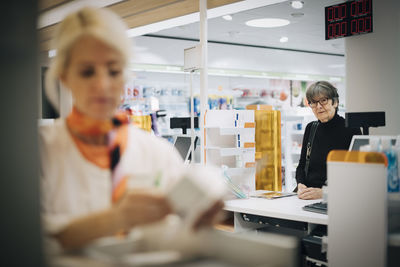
(347,19)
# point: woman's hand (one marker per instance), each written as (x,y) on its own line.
(210,216)
(304,192)
(300,188)
(141,207)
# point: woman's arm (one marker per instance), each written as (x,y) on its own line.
(134,209)
(84,230)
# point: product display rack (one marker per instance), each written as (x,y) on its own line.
(229,141)
(293,127)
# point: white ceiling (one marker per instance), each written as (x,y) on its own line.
(304,33)
(306,52)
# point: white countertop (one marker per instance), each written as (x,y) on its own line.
(289,208)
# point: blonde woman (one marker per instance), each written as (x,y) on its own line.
(89,157)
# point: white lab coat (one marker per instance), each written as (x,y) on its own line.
(72,187)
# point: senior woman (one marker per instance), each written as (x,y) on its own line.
(329,133)
(89,157)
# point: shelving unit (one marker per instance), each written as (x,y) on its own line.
(293,126)
(230,141)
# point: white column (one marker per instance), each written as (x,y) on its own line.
(373,67)
(203,72)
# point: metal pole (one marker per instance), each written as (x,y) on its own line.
(191,119)
(203,75)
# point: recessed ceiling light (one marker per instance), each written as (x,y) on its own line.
(227,17)
(297,14)
(267,23)
(297,4)
(283,39)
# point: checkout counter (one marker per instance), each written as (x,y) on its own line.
(204,249)
(362,227)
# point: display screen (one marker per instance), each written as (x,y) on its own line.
(347,19)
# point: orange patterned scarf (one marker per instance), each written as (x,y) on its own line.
(102,142)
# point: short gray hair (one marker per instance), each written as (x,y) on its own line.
(322,88)
(101,24)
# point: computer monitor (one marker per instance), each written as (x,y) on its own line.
(183,122)
(365,120)
(183,145)
(360,140)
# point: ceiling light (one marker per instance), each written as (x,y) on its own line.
(267,23)
(297,14)
(297,4)
(227,17)
(283,39)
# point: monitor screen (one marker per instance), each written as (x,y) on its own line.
(356,143)
(360,140)
(183,144)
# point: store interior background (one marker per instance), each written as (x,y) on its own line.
(249,65)
(243,58)
(372,67)
(246,65)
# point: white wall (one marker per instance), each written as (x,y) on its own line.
(373,67)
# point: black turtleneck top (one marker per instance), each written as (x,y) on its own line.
(329,135)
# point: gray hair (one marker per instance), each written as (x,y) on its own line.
(322,88)
(101,24)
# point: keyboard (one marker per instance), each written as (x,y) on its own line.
(319,207)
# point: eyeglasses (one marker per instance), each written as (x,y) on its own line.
(322,102)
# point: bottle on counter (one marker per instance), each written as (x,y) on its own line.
(397,152)
(392,169)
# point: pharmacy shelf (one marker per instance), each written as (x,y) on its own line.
(233,131)
(230,142)
(297,132)
(231,151)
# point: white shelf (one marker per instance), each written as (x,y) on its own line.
(292,135)
(229,145)
(232,131)
(297,132)
(231,151)
(292,117)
